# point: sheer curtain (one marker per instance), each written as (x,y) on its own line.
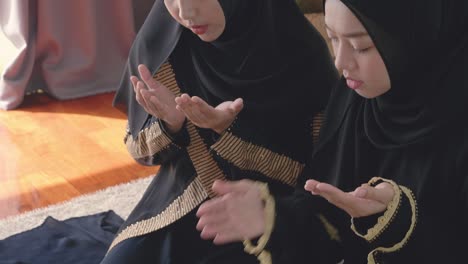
(69,49)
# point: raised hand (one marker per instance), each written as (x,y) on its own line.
(363,201)
(157,99)
(237,214)
(205,116)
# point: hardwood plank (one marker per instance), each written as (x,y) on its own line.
(51,151)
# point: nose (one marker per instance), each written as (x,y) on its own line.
(187,10)
(344,60)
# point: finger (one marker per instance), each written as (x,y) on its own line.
(211,211)
(204,110)
(145,94)
(227,236)
(156,106)
(141,86)
(333,195)
(144,72)
(200,103)
(134,81)
(147,77)
(139,95)
(223,229)
(225,187)
(183,104)
(210,206)
(382,193)
(361,191)
(178,100)
(213,218)
(354,206)
(311,186)
(208,232)
(194,114)
(237,106)
(188,113)
(183,99)
(198,100)
(184,111)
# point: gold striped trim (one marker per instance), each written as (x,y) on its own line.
(190,198)
(206,168)
(384,221)
(152,139)
(148,142)
(165,75)
(316,125)
(414,218)
(248,156)
(331,229)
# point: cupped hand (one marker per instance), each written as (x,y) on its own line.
(203,115)
(363,201)
(157,99)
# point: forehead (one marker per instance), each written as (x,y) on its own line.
(340,19)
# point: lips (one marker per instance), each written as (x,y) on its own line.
(353,84)
(199,30)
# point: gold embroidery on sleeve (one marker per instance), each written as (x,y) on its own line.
(191,198)
(383,221)
(265,257)
(206,168)
(259,250)
(316,125)
(148,142)
(414,218)
(331,230)
(248,156)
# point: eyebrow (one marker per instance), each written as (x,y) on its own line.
(358,34)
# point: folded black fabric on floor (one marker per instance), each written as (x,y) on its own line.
(73,241)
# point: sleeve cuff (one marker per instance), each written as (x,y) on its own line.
(358,225)
(152,140)
(180,138)
(259,250)
(392,229)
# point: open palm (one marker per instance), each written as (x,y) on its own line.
(363,201)
(203,115)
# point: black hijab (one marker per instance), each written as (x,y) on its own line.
(268,54)
(425,50)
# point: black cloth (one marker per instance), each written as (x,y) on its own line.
(270,56)
(168,247)
(416,135)
(77,240)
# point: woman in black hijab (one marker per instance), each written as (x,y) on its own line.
(264,52)
(393,150)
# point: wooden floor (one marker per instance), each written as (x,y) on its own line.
(51,151)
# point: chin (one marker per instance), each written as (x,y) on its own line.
(207,38)
(365,95)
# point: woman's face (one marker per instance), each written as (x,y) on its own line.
(204,17)
(355,53)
